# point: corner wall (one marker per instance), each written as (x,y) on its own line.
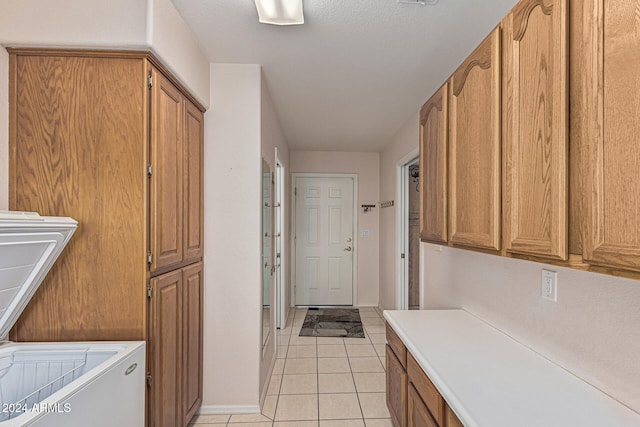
(367,166)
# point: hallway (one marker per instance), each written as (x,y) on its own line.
(322,382)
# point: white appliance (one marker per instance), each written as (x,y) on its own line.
(58,384)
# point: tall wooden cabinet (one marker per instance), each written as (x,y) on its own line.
(536,128)
(112,140)
(475,148)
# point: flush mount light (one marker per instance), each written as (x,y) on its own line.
(420,2)
(280,12)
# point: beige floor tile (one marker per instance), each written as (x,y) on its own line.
(342,423)
(299,407)
(360,350)
(383,362)
(300,366)
(358,341)
(365,364)
(278,367)
(274,385)
(336,383)
(211,419)
(269,406)
(295,424)
(249,418)
(370,382)
(299,384)
(282,351)
(253,424)
(333,365)
(332,351)
(298,340)
(375,329)
(379,422)
(374,405)
(301,351)
(339,406)
(380,349)
(329,341)
(378,338)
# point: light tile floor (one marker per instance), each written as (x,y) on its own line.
(321,382)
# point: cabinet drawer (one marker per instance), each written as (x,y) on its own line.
(426,390)
(419,415)
(452,419)
(397,346)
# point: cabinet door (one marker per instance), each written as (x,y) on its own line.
(535,137)
(612,155)
(433,172)
(165,350)
(167,174)
(419,415)
(452,419)
(192,303)
(396,389)
(474,148)
(193,181)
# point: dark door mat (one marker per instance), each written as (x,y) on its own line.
(332,322)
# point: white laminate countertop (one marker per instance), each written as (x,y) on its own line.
(491,380)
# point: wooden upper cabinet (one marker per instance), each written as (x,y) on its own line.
(611,155)
(193,180)
(433,168)
(474,148)
(167,173)
(536,128)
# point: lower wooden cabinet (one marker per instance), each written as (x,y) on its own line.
(396,389)
(419,415)
(175,347)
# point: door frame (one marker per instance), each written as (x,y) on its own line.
(354,282)
(281,312)
(402,232)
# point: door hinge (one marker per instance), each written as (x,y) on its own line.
(148,379)
(295,191)
(149,257)
(149,170)
(149,291)
(402,256)
(150,81)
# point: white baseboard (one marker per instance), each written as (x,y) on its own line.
(229,409)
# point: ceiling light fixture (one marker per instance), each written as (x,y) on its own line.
(280,12)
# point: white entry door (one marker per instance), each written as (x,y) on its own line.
(324,241)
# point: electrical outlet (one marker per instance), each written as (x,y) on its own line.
(549,285)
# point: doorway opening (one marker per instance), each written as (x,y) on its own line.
(409,233)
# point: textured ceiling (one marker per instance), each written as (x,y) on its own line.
(356,70)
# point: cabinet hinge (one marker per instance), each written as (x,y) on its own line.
(295,191)
(402,256)
(149,170)
(150,81)
(149,257)
(149,291)
(148,379)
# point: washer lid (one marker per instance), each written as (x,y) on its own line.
(29,245)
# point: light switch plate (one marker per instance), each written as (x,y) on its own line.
(549,285)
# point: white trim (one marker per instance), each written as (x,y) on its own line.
(229,409)
(402,266)
(281,312)
(356,232)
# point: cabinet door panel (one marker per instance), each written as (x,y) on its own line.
(167,177)
(165,346)
(193,180)
(419,415)
(193,282)
(433,163)
(474,148)
(612,157)
(536,128)
(396,389)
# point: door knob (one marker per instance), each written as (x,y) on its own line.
(348,249)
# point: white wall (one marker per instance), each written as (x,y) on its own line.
(367,167)
(233,190)
(592,331)
(406,141)
(118,24)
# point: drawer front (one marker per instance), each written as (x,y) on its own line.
(397,346)
(419,415)
(452,419)
(426,390)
